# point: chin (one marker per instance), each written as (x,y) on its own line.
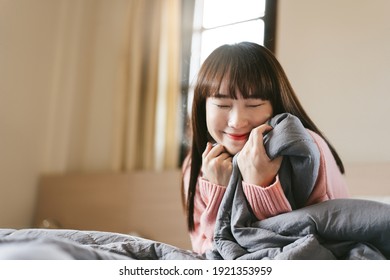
(233,151)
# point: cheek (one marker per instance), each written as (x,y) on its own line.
(214,119)
(263,116)
(262,119)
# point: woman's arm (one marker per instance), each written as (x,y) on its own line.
(206,205)
(207,199)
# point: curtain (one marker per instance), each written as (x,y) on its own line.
(115,87)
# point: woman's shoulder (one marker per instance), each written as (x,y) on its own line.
(333,180)
(321,143)
(327,159)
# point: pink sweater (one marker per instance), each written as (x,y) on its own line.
(264,201)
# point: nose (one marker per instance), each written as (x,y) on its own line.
(238,118)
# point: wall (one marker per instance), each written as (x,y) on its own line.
(27,33)
(336,54)
(50,51)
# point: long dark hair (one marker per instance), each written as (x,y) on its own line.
(255,72)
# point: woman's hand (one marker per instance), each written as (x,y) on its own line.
(217,164)
(255,166)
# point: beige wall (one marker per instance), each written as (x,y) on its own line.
(50,52)
(335,53)
(27,35)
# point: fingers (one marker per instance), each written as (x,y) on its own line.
(207,150)
(217,164)
(216,155)
(255,143)
(258,133)
(214,151)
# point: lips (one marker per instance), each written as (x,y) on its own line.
(238,137)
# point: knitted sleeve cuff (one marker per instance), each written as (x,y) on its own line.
(266,201)
(210,192)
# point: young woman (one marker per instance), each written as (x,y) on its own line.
(239,88)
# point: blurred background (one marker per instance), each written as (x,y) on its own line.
(105,86)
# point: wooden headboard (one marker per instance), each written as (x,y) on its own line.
(143,203)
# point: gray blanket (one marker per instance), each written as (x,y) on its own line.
(301,157)
(47,244)
(335,229)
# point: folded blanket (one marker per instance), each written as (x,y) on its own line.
(335,229)
(301,157)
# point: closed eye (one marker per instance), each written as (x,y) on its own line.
(255,105)
(222,105)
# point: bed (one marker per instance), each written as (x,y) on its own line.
(142,203)
(122,216)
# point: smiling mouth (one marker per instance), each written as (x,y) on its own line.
(238,137)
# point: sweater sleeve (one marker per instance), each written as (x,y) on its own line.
(207,200)
(266,201)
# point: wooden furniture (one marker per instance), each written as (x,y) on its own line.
(144,203)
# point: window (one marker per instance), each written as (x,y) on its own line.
(207,24)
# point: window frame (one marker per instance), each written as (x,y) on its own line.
(188,28)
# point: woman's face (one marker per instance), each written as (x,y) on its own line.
(230,121)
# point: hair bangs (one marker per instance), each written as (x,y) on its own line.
(252,74)
(251,80)
(244,72)
(212,77)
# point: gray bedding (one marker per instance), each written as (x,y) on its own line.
(335,229)
(84,245)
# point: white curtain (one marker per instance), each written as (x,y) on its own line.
(115,87)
